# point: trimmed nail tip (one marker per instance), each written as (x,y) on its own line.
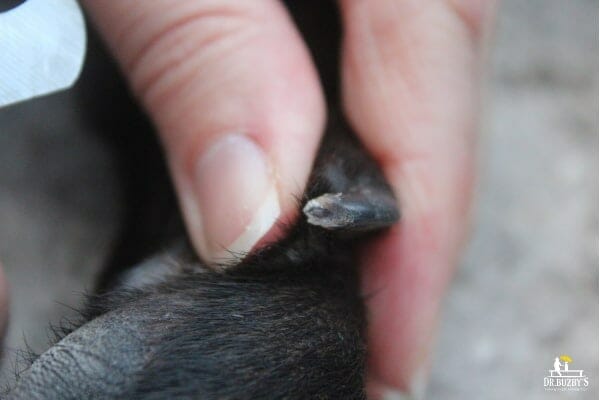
(417,390)
(263,220)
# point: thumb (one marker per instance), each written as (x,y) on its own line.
(232,90)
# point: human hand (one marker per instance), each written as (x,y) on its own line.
(411,86)
(216,78)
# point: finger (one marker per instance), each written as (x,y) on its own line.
(410,74)
(237,103)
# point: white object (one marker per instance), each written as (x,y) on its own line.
(42,46)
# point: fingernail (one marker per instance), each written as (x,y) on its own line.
(416,391)
(237,197)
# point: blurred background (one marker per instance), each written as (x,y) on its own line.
(527,289)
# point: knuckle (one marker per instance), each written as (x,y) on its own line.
(182,44)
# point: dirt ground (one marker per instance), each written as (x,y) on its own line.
(527,288)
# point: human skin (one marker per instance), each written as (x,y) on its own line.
(410,77)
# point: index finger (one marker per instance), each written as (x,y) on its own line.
(410,78)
